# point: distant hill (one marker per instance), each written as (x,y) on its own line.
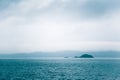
(84,56)
(96,54)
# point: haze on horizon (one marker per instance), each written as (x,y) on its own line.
(58,25)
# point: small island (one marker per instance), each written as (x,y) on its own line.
(84,56)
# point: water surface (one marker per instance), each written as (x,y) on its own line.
(60,69)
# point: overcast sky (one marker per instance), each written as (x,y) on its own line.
(54,25)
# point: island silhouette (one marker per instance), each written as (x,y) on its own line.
(85,56)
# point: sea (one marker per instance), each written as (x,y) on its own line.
(60,69)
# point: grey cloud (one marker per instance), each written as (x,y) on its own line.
(92,8)
(97,8)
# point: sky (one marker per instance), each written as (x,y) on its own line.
(57,25)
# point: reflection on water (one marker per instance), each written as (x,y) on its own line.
(60,69)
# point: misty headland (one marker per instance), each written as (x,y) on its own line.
(67,54)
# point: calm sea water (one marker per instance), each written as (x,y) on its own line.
(60,69)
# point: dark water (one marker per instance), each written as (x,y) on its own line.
(60,69)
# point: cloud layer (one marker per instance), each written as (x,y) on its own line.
(50,25)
